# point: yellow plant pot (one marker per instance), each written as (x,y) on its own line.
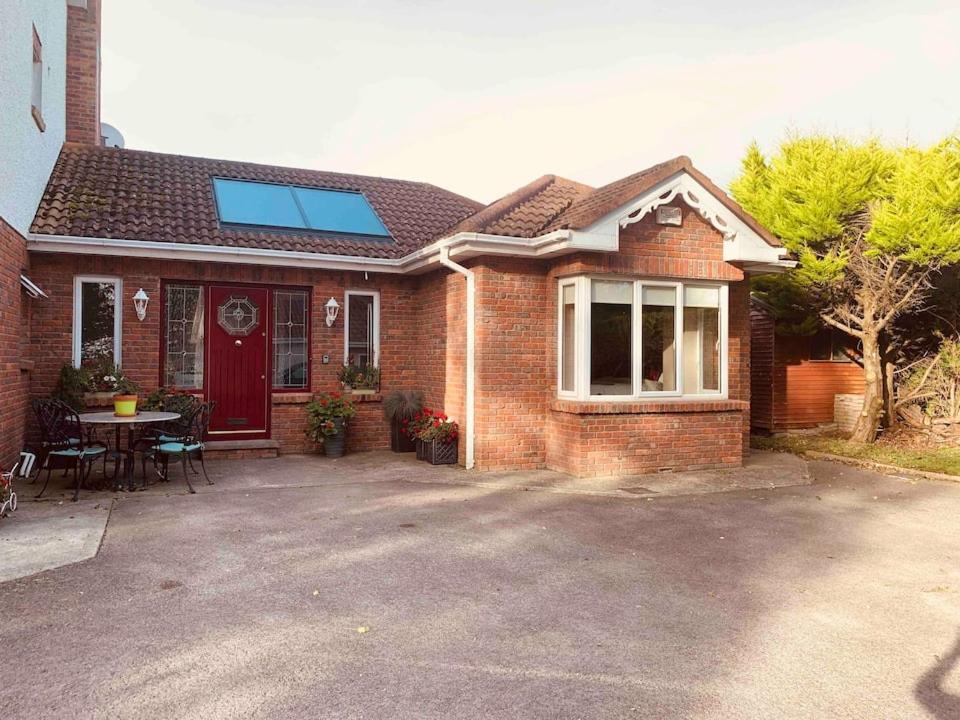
(124,405)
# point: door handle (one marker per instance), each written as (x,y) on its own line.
(238,343)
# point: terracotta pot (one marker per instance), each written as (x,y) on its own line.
(125,405)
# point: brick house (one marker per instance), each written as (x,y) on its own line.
(592,330)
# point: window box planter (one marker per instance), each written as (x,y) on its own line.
(441,453)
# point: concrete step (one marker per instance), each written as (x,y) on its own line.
(242,448)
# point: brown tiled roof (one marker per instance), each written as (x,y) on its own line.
(527,211)
(592,207)
(137,195)
(554,203)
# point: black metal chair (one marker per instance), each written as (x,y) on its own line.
(186,445)
(183,404)
(63,440)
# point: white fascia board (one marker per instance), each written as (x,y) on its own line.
(742,244)
(461,245)
(207,253)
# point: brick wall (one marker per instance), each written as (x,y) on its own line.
(514,322)
(520,424)
(15,310)
(401,333)
(604,440)
(83,73)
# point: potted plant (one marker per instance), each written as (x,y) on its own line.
(327,417)
(415,427)
(367,381)
(440,440)
(124,391)
(348,376)
(71,386)
(399,408)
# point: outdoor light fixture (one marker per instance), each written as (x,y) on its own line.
(140,301)
(333,309)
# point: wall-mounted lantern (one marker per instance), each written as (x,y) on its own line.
(140,301)
(333,309)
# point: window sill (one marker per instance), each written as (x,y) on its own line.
(647,407)
(291,398)
(38,118)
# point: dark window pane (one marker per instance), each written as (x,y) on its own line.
(97,321)
(659,351)
(611,326)
(360,339)
(820,345)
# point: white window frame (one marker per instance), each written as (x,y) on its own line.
(582,339)
(375,294)
(117,283)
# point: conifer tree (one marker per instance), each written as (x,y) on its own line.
(869,225)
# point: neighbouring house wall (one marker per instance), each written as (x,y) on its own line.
(15,309)
(27,153)
(404,360)
(805,388)
(762,343)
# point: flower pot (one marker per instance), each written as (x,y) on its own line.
(420,447)
(335,445)
(125,405)
(441,453)
(400,442)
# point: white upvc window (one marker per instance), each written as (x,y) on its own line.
(621,339)
(97,319)
(361,328)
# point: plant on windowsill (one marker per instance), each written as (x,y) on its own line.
(399,408)
(360,381)
(327,419)
(440,440)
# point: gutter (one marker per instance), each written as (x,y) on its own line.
(419,260)
(471,347)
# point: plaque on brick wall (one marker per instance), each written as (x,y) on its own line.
(669,216)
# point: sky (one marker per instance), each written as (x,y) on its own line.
(483,97)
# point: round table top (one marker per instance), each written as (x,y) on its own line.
(108,418)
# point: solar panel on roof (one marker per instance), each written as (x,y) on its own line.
(335,211)
(243,202)
(247,203)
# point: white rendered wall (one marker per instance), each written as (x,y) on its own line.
(26,154)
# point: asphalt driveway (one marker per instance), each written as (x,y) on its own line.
(346,592)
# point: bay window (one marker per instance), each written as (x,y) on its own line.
(622,339)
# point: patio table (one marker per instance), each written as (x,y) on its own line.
(131,423)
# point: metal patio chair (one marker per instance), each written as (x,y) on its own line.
(63,440)
(187,445)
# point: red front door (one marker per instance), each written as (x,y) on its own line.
(237,356)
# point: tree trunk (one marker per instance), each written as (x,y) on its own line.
(866,428)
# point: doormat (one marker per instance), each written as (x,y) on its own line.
(637,490)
